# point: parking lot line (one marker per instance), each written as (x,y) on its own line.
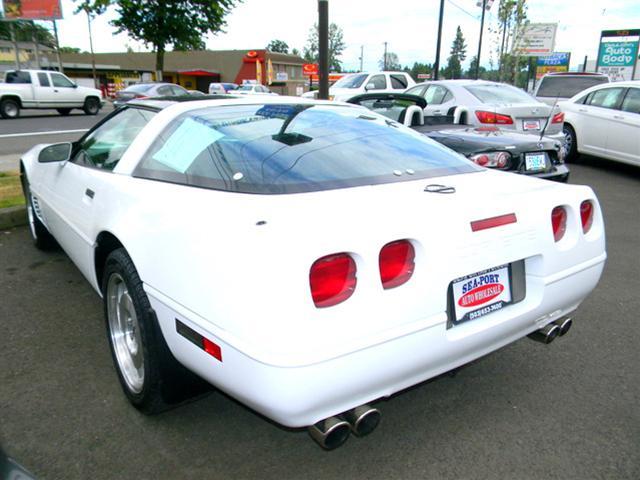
(55,132)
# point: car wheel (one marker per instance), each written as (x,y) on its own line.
(150,376)
(42,239)
(570,143)
(64,111)
(9,108)
(91,106)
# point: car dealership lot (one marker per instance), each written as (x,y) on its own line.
(568,410)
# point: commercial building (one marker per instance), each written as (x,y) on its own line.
(193,69)
(28,54)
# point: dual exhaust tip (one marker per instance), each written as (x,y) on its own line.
(332,432)
(549,333)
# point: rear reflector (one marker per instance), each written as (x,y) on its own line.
(492,222)
(332,279)
(586,215)
(558,118)
(396,262)
(199,341)
(493,118)
(558,222)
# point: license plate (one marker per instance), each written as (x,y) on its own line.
(535,161)
(531,124)
(481,293)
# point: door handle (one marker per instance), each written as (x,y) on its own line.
(618,117)
(582,109)
(89,193)
(55,90)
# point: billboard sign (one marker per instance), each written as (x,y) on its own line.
(556,62)
(310,69)
(536,39)
(618,54)
(30,10)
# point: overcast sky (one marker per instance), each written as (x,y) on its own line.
(410,29)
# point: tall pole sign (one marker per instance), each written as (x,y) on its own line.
(618,54)
(323,48)
(436,65)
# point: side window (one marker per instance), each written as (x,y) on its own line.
(43,79)
(436,95)
(17,77)
(447,97)
(419,90)
(164,90)
(103,148)
(178,91)
(631,102)
(60,80)
(398,81)
(379,82)
(607,97)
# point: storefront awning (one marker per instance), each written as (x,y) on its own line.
(198,73)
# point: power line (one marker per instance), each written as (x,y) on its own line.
(462,9)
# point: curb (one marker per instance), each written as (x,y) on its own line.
(13,217)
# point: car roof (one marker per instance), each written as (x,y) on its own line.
(461,82)
(193,103)
(575,74)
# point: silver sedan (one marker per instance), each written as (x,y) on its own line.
(482,103)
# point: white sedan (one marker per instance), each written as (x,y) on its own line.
(306,257)
(482,103)
(253,90)
(604,121)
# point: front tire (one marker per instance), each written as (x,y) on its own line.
(64,111)
(9,108)
(41,237)
(570,143)
(150,376)
(91,106)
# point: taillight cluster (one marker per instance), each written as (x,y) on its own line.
(493,118)
(492,159)
(559,219)
(558,118)
(333,278)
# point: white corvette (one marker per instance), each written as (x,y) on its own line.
(305,257)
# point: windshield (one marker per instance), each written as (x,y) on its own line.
(351,81)
(290,148)
(139,88)
(567,87)
(245,88)
(499,93)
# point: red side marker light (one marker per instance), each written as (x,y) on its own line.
(493,222)
(211,348)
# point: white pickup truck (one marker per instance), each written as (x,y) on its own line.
(40,89)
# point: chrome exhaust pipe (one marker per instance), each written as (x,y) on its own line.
(330,433)
(363,419)
(546,334)
(564,324)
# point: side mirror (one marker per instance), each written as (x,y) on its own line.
(370,86)
(74,86)
(59,152)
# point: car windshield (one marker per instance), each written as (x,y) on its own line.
(245,88)
(499,93)
(292,148)
(139,88)
(567,87)
(351,81)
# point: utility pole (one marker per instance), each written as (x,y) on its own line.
(323,48)
(55,34)
(484,6)
(384,60)
(93,56)
(436,66)
(15,44)
(361,57)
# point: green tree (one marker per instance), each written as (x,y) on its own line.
(392,63)
(336,47)
(163,23)
(456,56)
(69,50)
(295,51)
(279,46)
(25,31)
(419,68)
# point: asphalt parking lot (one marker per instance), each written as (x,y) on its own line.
(570,410)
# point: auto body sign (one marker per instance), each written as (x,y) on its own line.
(618,53)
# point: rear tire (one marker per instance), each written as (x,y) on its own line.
(41,237)
(9,108)
(64,111)
(91,106)
(150,376)
(570,143)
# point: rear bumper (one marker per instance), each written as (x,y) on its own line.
(560,174)
(298,396)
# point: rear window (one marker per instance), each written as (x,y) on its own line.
(567,87)
(138,88)
(490,93)
(289,148)
(351,81)
(17,77)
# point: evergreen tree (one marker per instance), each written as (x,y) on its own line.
(457,56)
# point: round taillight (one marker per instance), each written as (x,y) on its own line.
(586,215)
(332,279)
(559,222)
(396,262)
(502,159)
(482,160)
